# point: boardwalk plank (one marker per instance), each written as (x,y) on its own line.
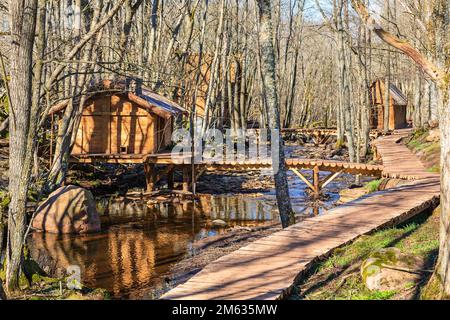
(266,268)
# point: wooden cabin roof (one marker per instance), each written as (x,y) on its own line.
(142,96)
(397,95)
(399,98)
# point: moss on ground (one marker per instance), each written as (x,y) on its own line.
(338,277)
(373,185)
(36,285)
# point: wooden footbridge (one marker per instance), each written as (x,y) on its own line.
(163,165)
(268,268)
(334,168)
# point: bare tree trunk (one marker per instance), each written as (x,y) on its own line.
(387,82)
(153,31)
(441,19)
(418,123)
(268,71)
(214,74)
(365,71)
(74,109)
(22,19)
(337,9)
(443,264)
(344,78)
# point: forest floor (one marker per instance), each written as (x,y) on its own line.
(339,276)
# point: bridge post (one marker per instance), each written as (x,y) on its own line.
(316,182)
(376,155)
(170,183)
(150,175)
(186,178)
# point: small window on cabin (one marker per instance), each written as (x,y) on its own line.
(123,149)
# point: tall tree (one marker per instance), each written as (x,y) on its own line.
(22,19)
(268,68)
(438,71)
(387,82)
(27,113)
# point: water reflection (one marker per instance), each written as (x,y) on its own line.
(139,243)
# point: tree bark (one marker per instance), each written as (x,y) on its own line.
(22,19)
(344,78)
(273,109)
(387,82)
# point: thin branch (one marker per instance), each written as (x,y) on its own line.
(428,67)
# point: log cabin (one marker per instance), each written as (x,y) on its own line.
(398,103)
(122,122)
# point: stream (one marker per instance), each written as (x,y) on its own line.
(140,242)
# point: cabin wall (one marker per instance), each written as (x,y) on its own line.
(114,125)
(397,114)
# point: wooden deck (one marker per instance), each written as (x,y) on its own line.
(107,158)
(267,268)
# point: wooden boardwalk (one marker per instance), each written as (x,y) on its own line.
(267,268)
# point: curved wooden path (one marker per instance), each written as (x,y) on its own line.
(267,268)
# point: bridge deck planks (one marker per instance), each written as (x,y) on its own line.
(266,268)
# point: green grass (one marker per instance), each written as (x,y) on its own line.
(429,152)
(372,186)
(434,169)
(364,246)
(341,269)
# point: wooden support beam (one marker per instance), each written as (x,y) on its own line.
(163,172)
(329,179)
(303,178)
(316,182)
(150,176)
(324,139)
(170,180)
(376,155)
(186,177)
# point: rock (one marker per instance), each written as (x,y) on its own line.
(69,209)
(433,135)
(219,223)
(348,195)
(389,269)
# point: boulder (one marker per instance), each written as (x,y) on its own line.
(433,135)
(219,223)
(69,209)
(389,269)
